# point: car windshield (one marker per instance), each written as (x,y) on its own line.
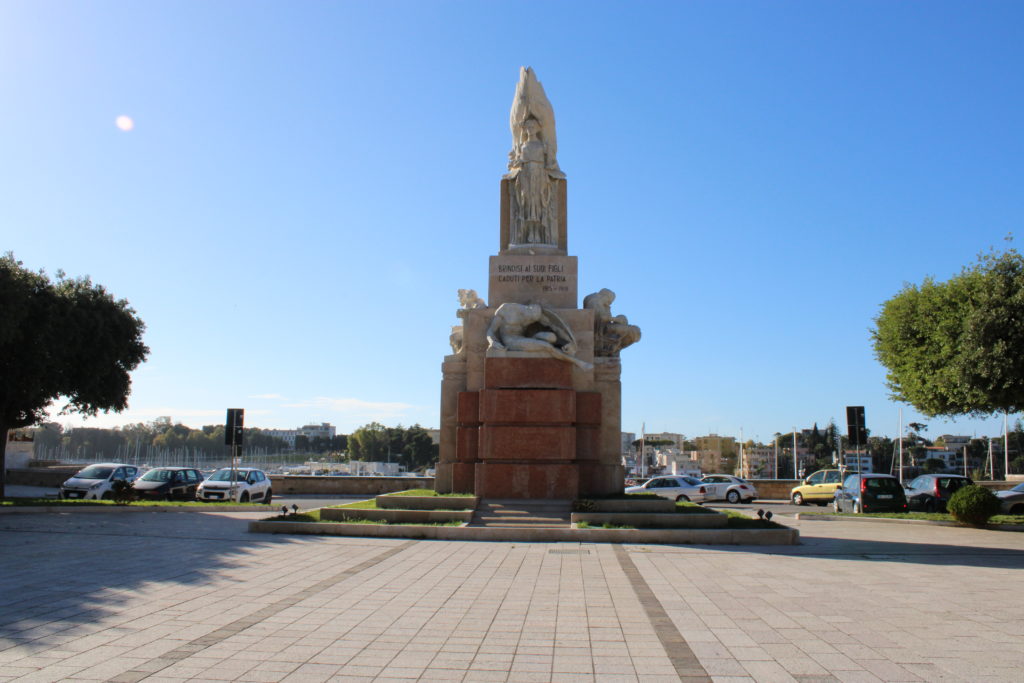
(158,475)
(95,472)
(1019,488)
(881,484)
(225,475)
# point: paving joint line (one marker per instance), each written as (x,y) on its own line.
(686,664)
(157,664)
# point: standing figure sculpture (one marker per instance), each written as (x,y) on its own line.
(533,165)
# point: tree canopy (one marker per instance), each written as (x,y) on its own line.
(410,446)
(957,347)
(67,339)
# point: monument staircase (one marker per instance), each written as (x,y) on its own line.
(522,513)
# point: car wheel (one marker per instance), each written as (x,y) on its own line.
(682,499)
(733,496)
(798,499)
(244,497)
(929,506)
(269,497)
(1017,510)
(108,496)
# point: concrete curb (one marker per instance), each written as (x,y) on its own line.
(28,509)
(334,514)
(449,533)
(655,520)
(890,520)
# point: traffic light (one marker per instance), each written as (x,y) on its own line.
(233,429)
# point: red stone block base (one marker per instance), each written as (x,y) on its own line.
(507,480)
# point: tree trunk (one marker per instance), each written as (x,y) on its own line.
(3,458)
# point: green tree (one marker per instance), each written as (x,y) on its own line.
(957,347)
(67,339)
(369,443)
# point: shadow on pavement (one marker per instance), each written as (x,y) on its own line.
(61,573)
(936,554)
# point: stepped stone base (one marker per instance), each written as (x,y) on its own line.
(522,513)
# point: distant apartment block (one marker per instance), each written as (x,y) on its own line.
(857,461)
(324,430)
(674,461)
(758,462)
(712,448)
(676,439)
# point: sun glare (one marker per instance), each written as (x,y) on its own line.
(124,123)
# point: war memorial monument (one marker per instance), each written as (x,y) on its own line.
(531,394)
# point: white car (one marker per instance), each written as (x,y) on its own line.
(96,481)
(730,488)
(242,484)
(1012,501)
(675,487)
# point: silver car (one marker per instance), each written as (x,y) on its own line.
(96,482)
(1012,500)
(675,487)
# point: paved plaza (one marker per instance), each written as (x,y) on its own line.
(174,596)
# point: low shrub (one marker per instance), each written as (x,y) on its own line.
(584,505)
(973,505)
(122,492)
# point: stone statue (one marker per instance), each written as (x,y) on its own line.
(533,165)
(611,333)
(468,300)
(532,329)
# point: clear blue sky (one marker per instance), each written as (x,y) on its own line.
(307,184)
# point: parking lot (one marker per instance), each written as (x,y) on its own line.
(171,596)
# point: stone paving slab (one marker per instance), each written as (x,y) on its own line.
(176,597)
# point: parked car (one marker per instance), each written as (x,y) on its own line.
(870,493)
(168,483)
(242,484)
(931,492)
(819,488)
(1012,500)
(730,488)
(674,488)
(95,481)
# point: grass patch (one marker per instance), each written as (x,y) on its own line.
(738,520)
(606,525)
(78,502)
(359,505)
(1007,519)
(686,508)
(372,505)
(314,516)
(429,493)
(311,516)
(627,496)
